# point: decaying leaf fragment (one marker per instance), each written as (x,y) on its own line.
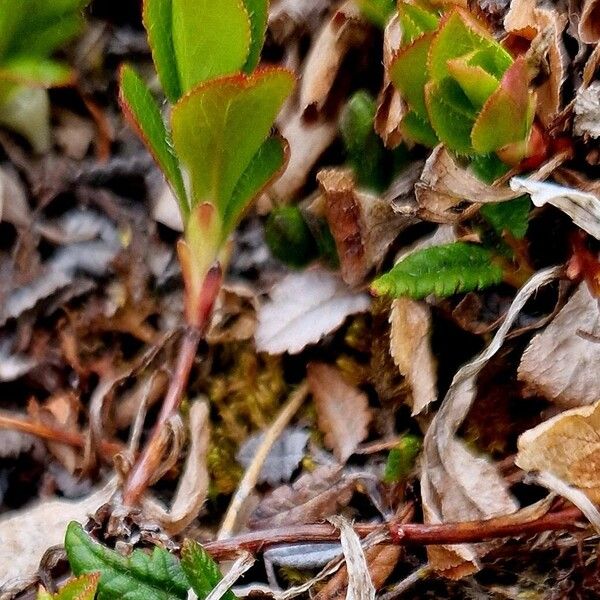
(411,350)
(456,484)
(343,411)
(582,207)
(303,308)
(562,362)
(589,24)
(587,111)
(567,446)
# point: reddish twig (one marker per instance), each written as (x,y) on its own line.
(403,534)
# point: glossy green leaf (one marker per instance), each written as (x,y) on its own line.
(80,588)
(459,34)
(36,72)
(415,21)
(409,73)
(441,270)
(511,216)
(264,166)
(377,11)
(157,16)
(418,130)
(140,576)
(477,84)
(219,127)
(142,110)
(201,570)
(258,11)
(451,114)
(210,39)
(508,114)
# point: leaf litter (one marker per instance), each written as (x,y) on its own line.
(308,398)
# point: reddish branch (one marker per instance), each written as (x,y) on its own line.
(403,534)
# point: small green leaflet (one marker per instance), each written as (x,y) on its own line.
(258,11)
(220,126)
(81,588)
(415,21)
(202,572)
(377,11)
(511,216)
(401,459)
(441,270)
(143,111)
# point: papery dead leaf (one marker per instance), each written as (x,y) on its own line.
(391,108)
(568,446)
(14,208)
(283,458)
(362,224)
(26,534)
(410,348)
(456,484)
(343,411)
(289,18)
(193,485)
(303,308)
(543,27)
(345,29)
(589,23)
(586,109)
(234,315)
(445,186)
(311,497)
(561,363)
(582,207)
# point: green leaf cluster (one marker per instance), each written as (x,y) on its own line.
(142,576)
(80,588)
(30,32)
(216,151)
(462,87)
(440,270)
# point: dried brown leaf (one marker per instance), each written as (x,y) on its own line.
(313,496)
(589,24)
(586,109)
(561,363)
(343,411)
(234,316)
(410,348)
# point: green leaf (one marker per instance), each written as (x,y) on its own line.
(11,14)
(511,216)
(508,114)
(219,127)
(289,238)
(258,11)
(36,72)
(140,576)
(201,570)
(401,459)
(80,588)
(377,11)
(441,270)
(157,16)
(210,38)
(418,130)
(264,166)
(459,34)
(477,84)
(144,114)
(451,114)
(366,153)
(409,73)
(415,21)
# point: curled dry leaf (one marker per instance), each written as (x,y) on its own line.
(410,348)
(27,534)
(391,108)
(456,484)
(589,23)
(568,447)
(362,224)
(587,111)
(445,185)
(193,485)
(14,208)
(582,207)
(561,363)
(303,308)
(345,29)
(234,315)
(543,27)
(311,497)
(343,411)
